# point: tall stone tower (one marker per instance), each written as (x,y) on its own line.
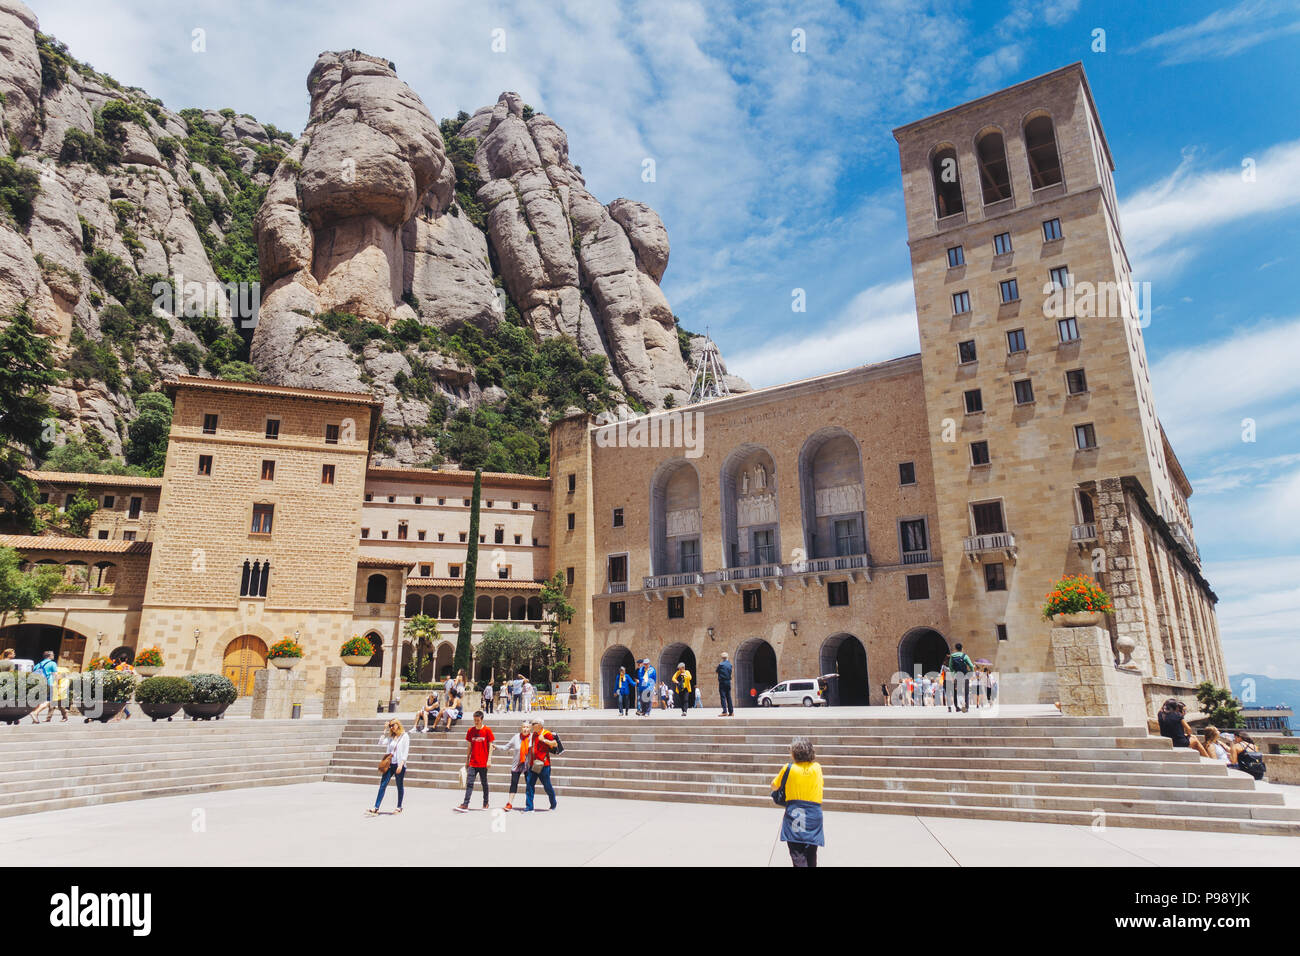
(1038,396)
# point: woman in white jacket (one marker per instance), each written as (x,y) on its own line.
(397,746)
(517,747)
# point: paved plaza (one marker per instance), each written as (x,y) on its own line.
(325,824)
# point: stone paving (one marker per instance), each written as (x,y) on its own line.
(326,824)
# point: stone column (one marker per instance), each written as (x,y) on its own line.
(351,691)
(275,691)
(1089,683)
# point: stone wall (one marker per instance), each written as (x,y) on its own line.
(1089,682)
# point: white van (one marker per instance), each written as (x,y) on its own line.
(802,691)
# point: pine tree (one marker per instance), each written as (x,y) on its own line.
(464,636)
(25,414)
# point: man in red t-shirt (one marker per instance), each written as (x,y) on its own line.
(477,759)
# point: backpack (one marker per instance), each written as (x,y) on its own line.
(558,747)
(959,662)
(1251,762)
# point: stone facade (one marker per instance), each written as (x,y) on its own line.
(849,523)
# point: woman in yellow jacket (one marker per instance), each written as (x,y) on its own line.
(682,687)
(798,788)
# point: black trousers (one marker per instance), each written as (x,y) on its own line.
(803,854)
(624,703)
(487,706)
(684,700)
(724,690)
(958,689)
(473,772)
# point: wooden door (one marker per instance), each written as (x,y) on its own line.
(72,650)
(245,656)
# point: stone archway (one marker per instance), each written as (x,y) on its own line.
(443,660)
(844,654)
(615,656)
(922,647)
(31,640)
(755,668)
(668,661)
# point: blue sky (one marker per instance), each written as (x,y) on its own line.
(776,170)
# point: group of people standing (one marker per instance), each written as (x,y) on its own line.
(959,683)
(530,752)
(639,689)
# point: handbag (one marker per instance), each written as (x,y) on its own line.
(778,795)
(537,766)
(385,763)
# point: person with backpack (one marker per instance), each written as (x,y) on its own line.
(724,671)
(49,670)
(798,787)
(682,687)
(957,667)
(541,745)
(646,681)
(1246,758)
(624,690)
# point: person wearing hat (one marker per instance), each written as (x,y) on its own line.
(724,671)
(538,762)
(646,678)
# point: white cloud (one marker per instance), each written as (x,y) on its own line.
(1163,221)
(1259,599)
(1207,389)
(879,323)
(1225,33)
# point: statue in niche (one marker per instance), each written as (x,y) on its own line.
(760,477)
(744,483)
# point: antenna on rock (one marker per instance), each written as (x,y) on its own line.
(709,381)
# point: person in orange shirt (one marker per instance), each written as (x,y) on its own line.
(518,747)
(540,746)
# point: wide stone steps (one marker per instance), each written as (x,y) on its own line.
(59,766)
(1046,769)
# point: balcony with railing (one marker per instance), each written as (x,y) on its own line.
(617,587)
(999,545)
(917,557)
(1184,538)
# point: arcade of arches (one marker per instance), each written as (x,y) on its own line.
(756,667)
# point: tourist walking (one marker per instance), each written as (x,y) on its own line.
(478,757)
(663,695)
(487,697)
(517,693)
(541,744)
(724,671)
(957,667)
(517,747)
(397,747)
(798,787)
(624,690)
(573,695)
(682,687)
(49,670)
(646,680)
(529,693)
(991,682)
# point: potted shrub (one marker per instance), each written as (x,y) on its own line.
(103,694)
(285,653)
(357,651)
(1076,601)
(162,697)
(212,695)
(20,693)
(149,661)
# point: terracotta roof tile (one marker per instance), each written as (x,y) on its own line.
(86,478)
(486,584)
(32,542)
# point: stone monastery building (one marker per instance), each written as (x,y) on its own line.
(860,522)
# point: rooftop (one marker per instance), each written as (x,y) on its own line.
(33,542)
(87,478)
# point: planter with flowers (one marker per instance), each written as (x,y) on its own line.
(149,661)
(101,664)
(285,653)
(357,651)
(1076,601)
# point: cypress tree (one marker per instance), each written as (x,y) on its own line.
(467,596)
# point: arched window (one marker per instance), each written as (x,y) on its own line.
(995,179)
(376,589)
(534,609)
(501,609)
(675,518)
(413,605)
(483,608)
(947,182)
(254,579)
(1040,146)
(833,500)
(518,608)
(750,523)
(450,607)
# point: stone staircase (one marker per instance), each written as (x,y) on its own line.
(1048,769)
(55,766)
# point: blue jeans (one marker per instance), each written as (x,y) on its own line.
(389,774)
(724,690)
(532,779)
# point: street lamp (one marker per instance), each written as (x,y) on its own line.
(794,628)
(710,632)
